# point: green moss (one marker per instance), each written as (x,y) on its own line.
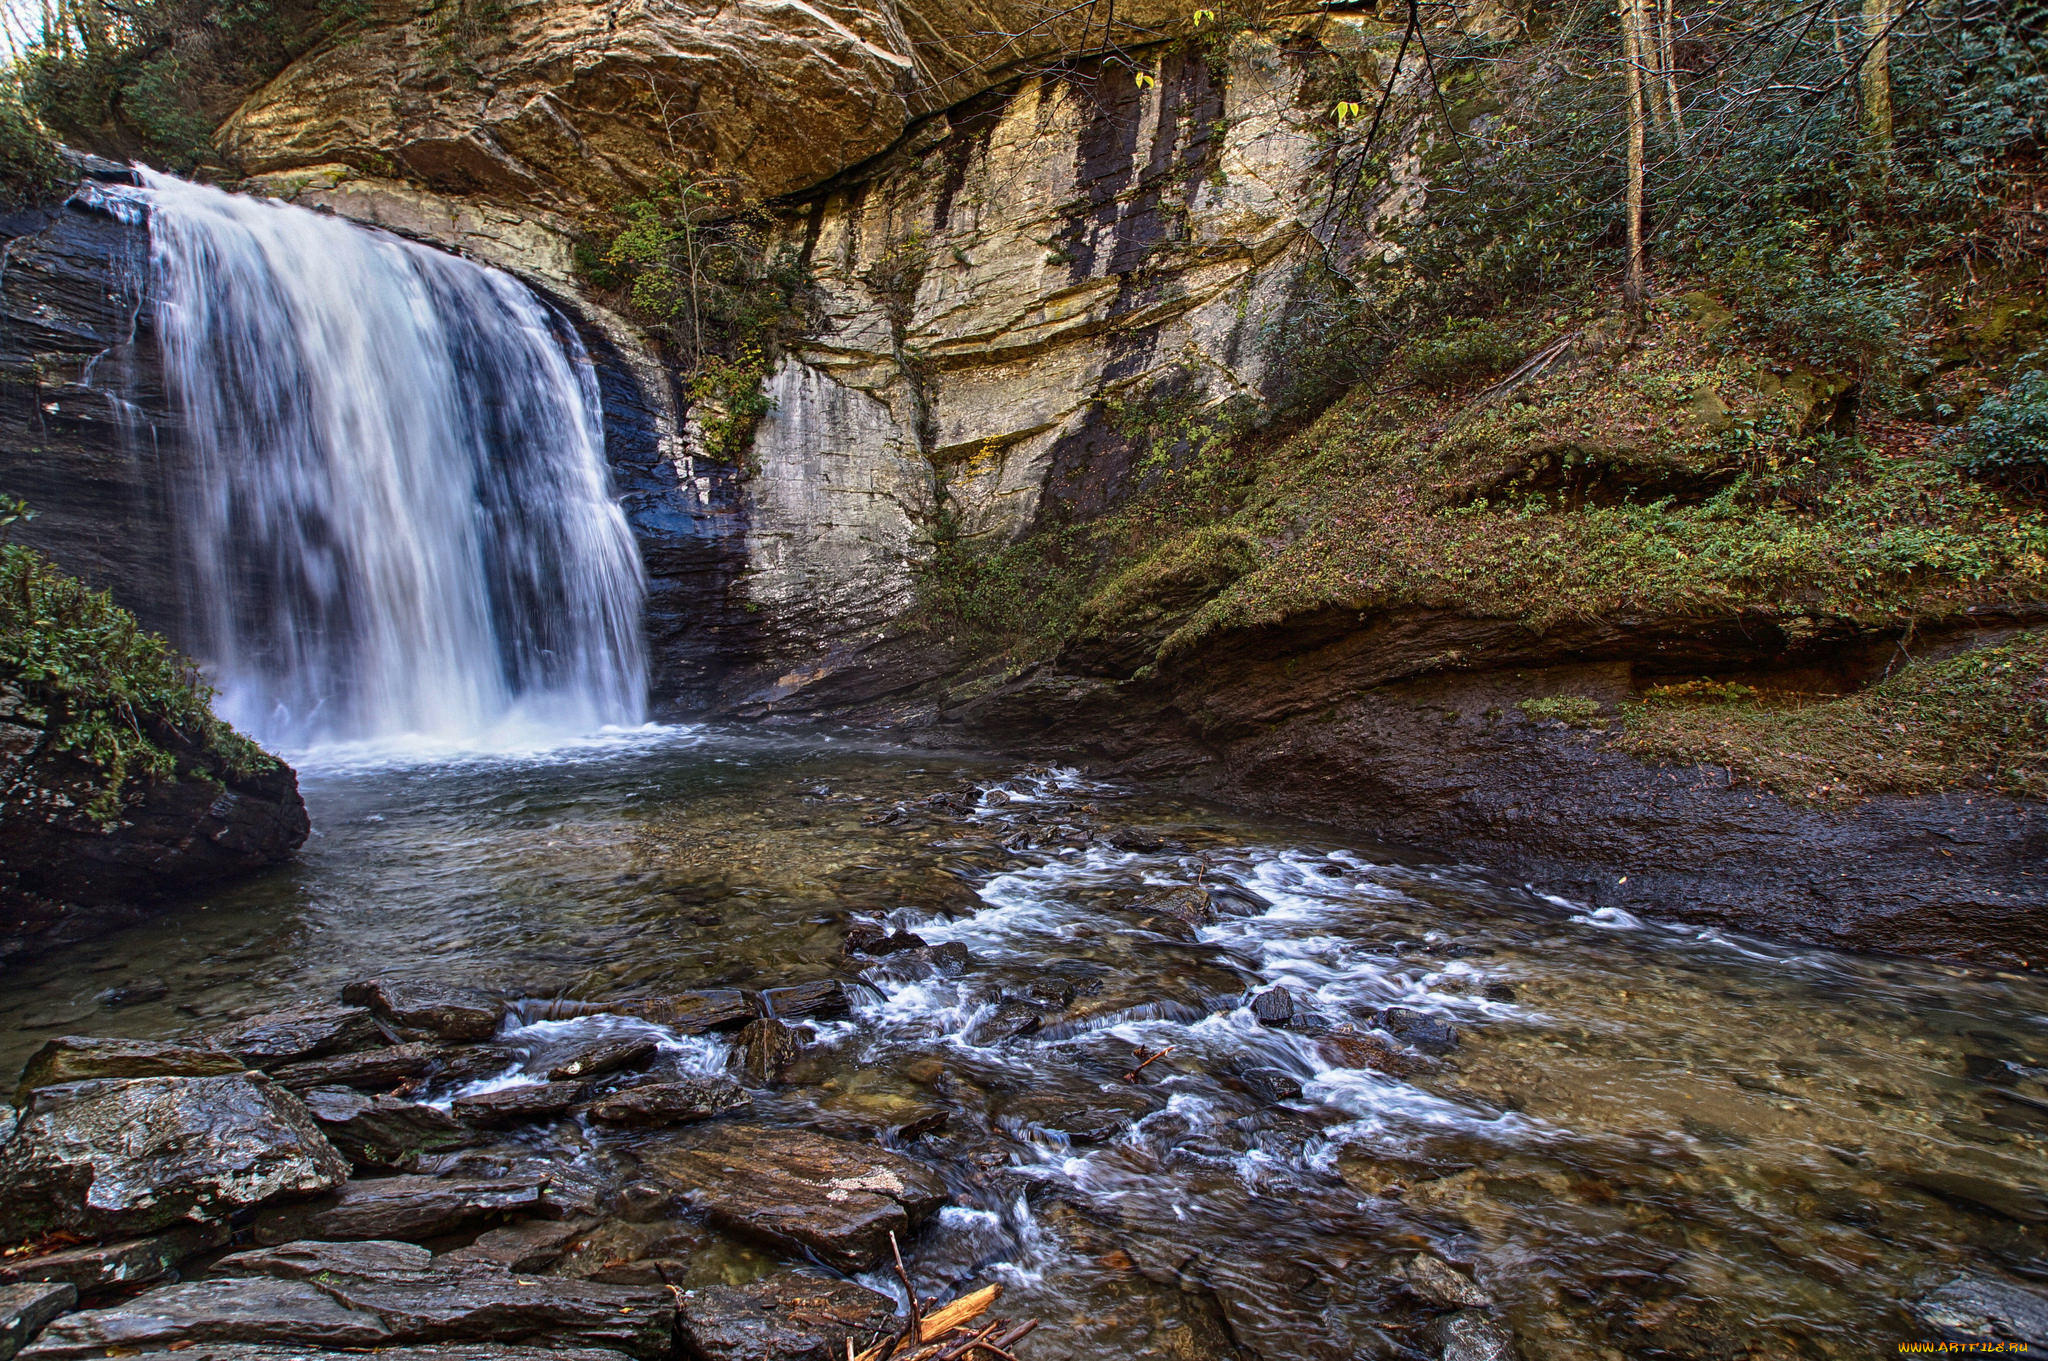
(106,689)
(1981,715)
(1184,571)
(1561,708)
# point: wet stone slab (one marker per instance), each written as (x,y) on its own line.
(104,1267)
(83,1058)
(26,1307)
(273,1038)
(787,1317)
(402,1207)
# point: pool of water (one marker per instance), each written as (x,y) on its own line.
(1648,1141)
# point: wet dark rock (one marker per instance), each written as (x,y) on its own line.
(291,1036)
(444,1351)
(1191,905)
(1049,992)
(1469,1335)
(1140,840)
(2020,1204)
(825,999)
(786,1317)
(691,1013)
(116,1266)
(519,1105)
(372,1294)
(949,959)
(800,1191)
(1274,1006)
(134,993)
(878,942)
(1430,1034)
(609,1057)
(404,1207)
(26,1307)
(1349,1048)
(156,1150)
(442,1010)
(671,1103)
(764,1051)
(82,1058)
(572,1187)
(1230,900)
(1984,1308)
(1007,1019)
(1437,1282)
(371,1070)
(862,937)
(1097,1118)
(1270,1085)
(382,1131)
(530,1245)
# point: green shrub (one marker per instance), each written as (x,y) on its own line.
(1466,352)
(2006,439)
(29,169)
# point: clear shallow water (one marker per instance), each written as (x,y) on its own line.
(1649,1142)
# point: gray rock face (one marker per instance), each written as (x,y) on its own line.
(671,1103)
(81,1058)
(442,1010)
(116,1266)
(802,1192)
(357,1295)
(381,1131)
(401,1207)
(789,1317)
(281,1037)
(123,1157)
(24,1309)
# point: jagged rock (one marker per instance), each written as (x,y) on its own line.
(124,1157)
(382,1131)
(764,1051)
(297,1034)
(949,959)
(1188,904)
(530,1245)
(800,1191)
(608,1057)
(116,1266)
(371,1070)
(519,1105)
(1007,1019)
(368,1295)
(82,1058)
(1437,1282)
(1430,1034)
(405,1207)
(25,1308)
(671,1103)
(786,1317)
(1270,1085)
(442,1010)
(1469,1335)
(867,938)
(1274,1006)
(825,998)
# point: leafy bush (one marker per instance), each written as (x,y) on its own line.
(110,691)
(1465,352)
(2006,439)
(29,169)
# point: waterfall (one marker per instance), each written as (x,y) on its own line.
(395,514)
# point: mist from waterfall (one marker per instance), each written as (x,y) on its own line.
(396,521)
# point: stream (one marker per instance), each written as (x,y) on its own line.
(1647,1141)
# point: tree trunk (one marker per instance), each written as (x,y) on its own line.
(1667,45)
(1635,292)
(1878,16)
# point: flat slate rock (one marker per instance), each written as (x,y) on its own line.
(443,1010)
(610,1056)
(373,1070)
(516,1105)
(358,1295)
(800,1191)
(785,1317)
(671,1103)
(825,999)
(127,1157)
(693,1013)
(530,1245)
(82,1058)
(297,1034)
(116,1266)
(401,1207)
(383,1131)
(26,1308)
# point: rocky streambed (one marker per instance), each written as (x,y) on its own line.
(663,1045)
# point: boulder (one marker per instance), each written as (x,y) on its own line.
(1274,1006)
(671,1103)
(25,1308)
(361,1295)
(764,1051)
(401,1207)
(116,1266)
(825,999)
(439,1009)
(297,1034)
(519,1105)
(82,1058)
(787,1317)
(608,1057)
(802,1192)
(383,1132)
(127,1157)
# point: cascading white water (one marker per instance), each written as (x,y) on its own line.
(397,518)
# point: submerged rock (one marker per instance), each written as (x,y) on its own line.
(1430,1034)
(1437,1282)
(136,1155)
(787,1317)
(1349,1048)
(24,1309)
(445,1011)
(82,1058)
(383,1131)
(290,1036)
(800,1191)
(444,1351)
(1190,905)
(671,1103)
(402,1207)
(361,1295)
(1469,1335)
(116,1266)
